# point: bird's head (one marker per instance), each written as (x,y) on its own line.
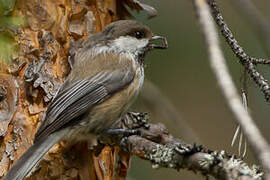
(128,36)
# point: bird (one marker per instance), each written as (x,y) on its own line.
(105,79)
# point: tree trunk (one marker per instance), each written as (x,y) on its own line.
(30,81)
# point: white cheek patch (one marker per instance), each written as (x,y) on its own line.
(130,44)
(124,45)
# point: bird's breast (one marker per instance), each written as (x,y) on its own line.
(113,108)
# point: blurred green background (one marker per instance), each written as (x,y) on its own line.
(184,76)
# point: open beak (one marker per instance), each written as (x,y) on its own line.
(158,42)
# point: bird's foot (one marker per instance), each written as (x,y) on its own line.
(123,134)
(123,144)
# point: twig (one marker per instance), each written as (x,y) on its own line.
(245,60)
(259,144)
(260,61)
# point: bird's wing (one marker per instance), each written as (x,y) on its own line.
(76,97)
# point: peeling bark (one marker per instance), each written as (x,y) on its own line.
(45,44)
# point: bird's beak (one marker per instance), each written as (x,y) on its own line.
(158,42)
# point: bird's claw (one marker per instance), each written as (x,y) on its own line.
(123,144)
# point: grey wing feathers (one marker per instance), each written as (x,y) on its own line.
(75,98)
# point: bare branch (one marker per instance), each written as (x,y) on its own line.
(259,144)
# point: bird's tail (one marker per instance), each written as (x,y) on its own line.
(31,157)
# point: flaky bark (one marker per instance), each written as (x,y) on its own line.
(28,83)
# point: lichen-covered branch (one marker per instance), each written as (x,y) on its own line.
(158,146)
(247,61)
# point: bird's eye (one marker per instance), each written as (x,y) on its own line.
(138,34)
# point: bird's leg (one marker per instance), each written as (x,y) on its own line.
(121,135)
(114,136)
(123,132)
(132,123)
